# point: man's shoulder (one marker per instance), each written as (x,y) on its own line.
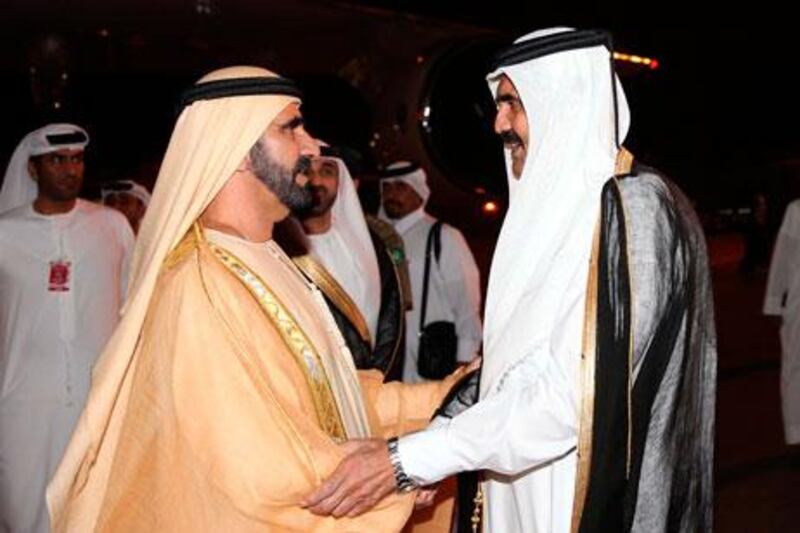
(13,216)
(111,220)
(382,229)
(658,213)
(451,231)
(451,235)
(645,182)
(95,210)
(649,191)
(384,236)
(793,209)
(18,225)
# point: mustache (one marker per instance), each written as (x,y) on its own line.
(510,138)
(302,166)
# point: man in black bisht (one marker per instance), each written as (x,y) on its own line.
(597,391)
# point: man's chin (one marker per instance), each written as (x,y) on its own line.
(65,197)
(390,213)
(299,203)
(308,212)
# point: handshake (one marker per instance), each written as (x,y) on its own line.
(372,469)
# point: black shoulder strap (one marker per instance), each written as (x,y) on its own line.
(437,239)
(435,243)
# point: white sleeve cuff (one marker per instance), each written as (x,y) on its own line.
(425,456)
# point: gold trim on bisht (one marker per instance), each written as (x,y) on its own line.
(588,359)
(623,166)
(323,279)
(299,344)
(624,163)
(187,245)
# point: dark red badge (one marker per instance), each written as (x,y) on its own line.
(58,281)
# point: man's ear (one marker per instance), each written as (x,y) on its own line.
(32,170)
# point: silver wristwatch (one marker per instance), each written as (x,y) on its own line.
(403,483)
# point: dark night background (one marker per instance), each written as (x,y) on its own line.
(720,116)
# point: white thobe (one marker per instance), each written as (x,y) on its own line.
(523,433)
(454,292)
(51,331)
(783,299)
(348,267)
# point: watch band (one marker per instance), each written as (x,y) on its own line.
(403,483)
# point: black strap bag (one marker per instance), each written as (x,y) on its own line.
(438,342)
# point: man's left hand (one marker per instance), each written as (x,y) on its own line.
(361,480)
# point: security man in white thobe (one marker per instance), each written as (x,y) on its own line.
(63,270)
(454,293)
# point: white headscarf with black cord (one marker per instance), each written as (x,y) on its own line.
(538,278)
(19,187)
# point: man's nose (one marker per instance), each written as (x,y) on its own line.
(308,145)
(72,168)
(502,121)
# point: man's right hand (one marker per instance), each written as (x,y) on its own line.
(361,480)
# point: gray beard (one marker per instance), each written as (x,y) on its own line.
(279,179)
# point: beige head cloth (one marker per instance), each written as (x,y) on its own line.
(210,139)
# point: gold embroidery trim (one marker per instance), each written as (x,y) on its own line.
(588,360)
(623,166)
(302,349)
(624,162)
(629,451)
(184,247)
(323,279)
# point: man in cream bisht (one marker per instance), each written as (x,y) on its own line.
(596,408)
(225,393)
